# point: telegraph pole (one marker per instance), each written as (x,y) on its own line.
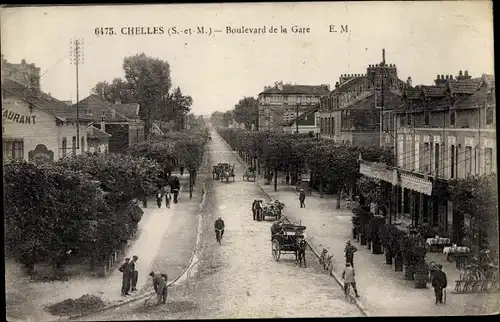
(76,54)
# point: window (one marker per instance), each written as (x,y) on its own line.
(426,160)
(452,117)
(452,160)
(333,126)
(476,160)
(64,146)
(73,145)
(408,119)
(490,115)
(427,117)
(13,149)
(488,160)
(82,144)
(402,120)
(468,160)
(436,157)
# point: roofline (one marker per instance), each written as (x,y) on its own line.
(62,119)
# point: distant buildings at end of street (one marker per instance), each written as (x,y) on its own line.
(281,103)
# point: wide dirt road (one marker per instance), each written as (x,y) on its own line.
(240,279)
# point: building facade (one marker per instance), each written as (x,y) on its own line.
(308,123)
(107,117)
(281,103)
(38,126)
(97,140)
(445,131)
(358,110)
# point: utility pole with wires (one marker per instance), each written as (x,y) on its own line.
(76,58)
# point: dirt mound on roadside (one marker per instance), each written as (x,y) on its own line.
(85,304)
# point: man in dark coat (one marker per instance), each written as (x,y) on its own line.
(134,275)
(165,289)
(349,253)
(219,225)
(159,286)
(302,198)
(439,282)
(125,269)
(175,187)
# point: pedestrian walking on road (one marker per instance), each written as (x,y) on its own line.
(254,209)
(159,286)
(349,253)
(168,197)
(302,198)
(439,282)
(159,198)
(348,276)
(134,274)
(175,187)
(125,269)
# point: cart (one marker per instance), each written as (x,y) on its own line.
(249,173)
(272,209)
(286,239)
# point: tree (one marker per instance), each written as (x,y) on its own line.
(118,90)
(174,107)
(246,112)
(476,198)
(49,209)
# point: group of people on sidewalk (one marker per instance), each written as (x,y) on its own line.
(130,276)
(163,191)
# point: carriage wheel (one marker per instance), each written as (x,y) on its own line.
(276,250)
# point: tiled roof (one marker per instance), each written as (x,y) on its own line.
(130,110)
(310,110)
(316,90)
(434,91)
(42,100)
(349,84)
(466,86)
(95,133)
(96,104)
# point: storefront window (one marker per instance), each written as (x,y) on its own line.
(13,149)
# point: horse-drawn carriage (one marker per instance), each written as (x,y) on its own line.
(249,173)
(223,171)
(287,239)
(271,209)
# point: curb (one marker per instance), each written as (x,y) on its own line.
(148,294)
(332,273)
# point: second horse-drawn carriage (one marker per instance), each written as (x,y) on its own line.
(223,171)
(288,239)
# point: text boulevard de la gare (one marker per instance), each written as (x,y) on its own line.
(207,30)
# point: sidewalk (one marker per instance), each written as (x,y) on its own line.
(154,226)
(383,291)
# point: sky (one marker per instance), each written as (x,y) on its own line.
(423,39)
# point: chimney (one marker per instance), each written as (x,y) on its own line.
(23,62)
(447,77)
(337,85)
(460,73)
(451,77)
(408,81)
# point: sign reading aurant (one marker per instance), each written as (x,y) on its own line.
(18,118)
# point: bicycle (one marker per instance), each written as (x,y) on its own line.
(218,235)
